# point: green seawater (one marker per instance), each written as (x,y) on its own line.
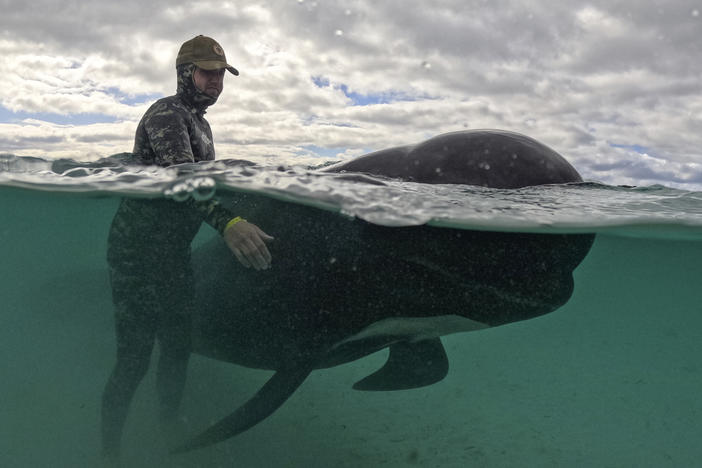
(612,378)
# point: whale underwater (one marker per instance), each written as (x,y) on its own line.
(341,288)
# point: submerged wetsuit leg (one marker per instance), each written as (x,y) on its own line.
(174,343)
(136,331)
(148,305)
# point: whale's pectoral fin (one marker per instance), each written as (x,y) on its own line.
(268,399)
(409,365)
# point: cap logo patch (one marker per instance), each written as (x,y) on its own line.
(217,49)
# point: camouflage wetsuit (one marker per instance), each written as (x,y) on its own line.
(149,258)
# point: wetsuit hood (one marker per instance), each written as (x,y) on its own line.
(187,90)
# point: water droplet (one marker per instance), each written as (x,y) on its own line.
(338,32)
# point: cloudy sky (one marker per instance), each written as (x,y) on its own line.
(614,86)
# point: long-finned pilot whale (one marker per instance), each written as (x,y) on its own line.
(342,288)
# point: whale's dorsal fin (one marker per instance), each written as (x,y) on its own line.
(409,365)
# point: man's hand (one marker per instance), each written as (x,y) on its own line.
(246,241)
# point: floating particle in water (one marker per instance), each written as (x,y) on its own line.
(347,12)
(426,65)
(338,32)
(695,13)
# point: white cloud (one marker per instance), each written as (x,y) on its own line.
(594,20)
(579,77)
(91,141)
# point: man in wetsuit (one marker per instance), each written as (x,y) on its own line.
(149,244)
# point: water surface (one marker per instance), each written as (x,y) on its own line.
(610,379)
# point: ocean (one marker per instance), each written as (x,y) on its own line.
(610,379)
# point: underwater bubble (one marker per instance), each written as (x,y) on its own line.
(199,188)
(179,192)
(203,188)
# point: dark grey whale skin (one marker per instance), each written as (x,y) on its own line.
(333,276)
(487,158)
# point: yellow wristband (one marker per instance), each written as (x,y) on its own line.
(233,222)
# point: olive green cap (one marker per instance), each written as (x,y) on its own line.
(204,52)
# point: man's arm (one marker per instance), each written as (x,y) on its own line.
(169,138)
(247,241)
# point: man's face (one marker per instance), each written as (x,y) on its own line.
(210,82)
